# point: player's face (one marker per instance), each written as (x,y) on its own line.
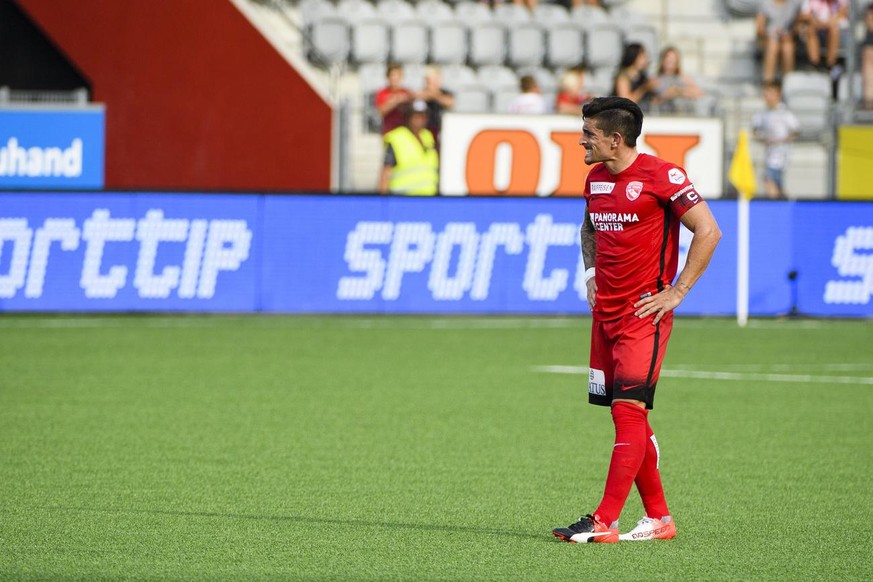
(598,146)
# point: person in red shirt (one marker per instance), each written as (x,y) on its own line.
(390,99)
(635,203)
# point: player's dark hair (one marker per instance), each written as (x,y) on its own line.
(616,115)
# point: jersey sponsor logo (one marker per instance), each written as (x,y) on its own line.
(676,176)
(633,190)
(596,382)
(602,187)
(613,221)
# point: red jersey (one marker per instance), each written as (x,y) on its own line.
(635,215)
(397,116)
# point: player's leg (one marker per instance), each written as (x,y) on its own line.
(637,354)
(600,375)
(657,523)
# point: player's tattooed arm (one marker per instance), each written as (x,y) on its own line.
(589,248)
(588,241)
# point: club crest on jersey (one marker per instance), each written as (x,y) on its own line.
(676,176)
(633,190)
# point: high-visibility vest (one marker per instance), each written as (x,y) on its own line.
(417,169)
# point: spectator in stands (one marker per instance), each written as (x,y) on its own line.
(438,100)
(530,100)
(824,22)
(391,99)
(675,92)
(411,162)
(867,61)
(572,94)
(776,127)
(632,81)
(775,24)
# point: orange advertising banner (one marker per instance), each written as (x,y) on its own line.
(540,155)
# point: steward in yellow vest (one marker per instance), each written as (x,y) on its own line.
(411,165)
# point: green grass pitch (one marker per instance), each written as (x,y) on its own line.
(416,448)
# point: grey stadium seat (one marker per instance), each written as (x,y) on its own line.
(354,10)
(497,77)
(434,11)
(456,77)
(472,100)
(502,98)
(550,14)
(527,45)
(448,43)
(565,45)
(330,40)
(314,10)
(370,41)
(603,46)
(511,14)
(395,10)
(473,13)
(409,42)
(808,96)
(487,44)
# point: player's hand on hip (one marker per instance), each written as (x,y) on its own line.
(591,288)
(659,304)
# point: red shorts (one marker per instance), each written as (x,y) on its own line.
(626,356)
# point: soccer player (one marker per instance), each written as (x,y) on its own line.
(630,245)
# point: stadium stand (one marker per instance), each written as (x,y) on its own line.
(469,39)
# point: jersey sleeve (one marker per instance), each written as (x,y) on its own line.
(676,190)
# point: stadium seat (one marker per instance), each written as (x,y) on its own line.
(370,41)
(843,88)
(565,45)
(314,10)
(510,14)
(329,38)
(355,10)
(600,82)
(413,76)
(550,14)
(502,98)
(808,96)
(487,44)
(395,10)
(434,11)
(589,16)
(409,42)
(448,43)
(456,77)
(472,100)
(497,77)
(527,45)
(473,13)
(546,79)
(603,46)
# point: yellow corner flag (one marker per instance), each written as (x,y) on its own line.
(742,171)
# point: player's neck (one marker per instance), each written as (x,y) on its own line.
(622,161)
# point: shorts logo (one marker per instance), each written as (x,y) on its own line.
(596,382)
(633,190)
(676,176)
(602,187)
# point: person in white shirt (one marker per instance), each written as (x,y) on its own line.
(530,100)
(777,127)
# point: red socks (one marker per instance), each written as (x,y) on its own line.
(649,479)
(634,459)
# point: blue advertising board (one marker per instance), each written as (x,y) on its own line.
(126,252)
(52,148)
(369,254)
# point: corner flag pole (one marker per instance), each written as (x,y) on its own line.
(742,175)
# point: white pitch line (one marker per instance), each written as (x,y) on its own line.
(734,376)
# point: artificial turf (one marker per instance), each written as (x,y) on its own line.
(373,448)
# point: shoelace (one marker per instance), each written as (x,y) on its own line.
(585,524)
